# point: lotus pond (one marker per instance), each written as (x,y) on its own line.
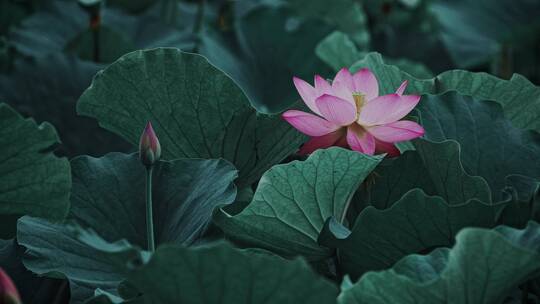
(269,151)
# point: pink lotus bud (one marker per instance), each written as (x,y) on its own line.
(149,147)
(8,292)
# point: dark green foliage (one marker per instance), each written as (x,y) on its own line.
(453,219)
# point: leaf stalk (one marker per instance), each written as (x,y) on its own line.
(149,214)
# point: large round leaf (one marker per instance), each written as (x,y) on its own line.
(197,111)
(32,179)
(292,202)
(109,197)
(222,274)
(476,31)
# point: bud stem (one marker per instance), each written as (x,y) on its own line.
(149,216)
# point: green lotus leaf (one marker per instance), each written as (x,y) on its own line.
(484,266)
(111,45)
(524,191)
(108,197)
(416,223)
(32,179)
(425,197)
(197,111)
(435,168)
(292,202)
(66,26)
(264,65)
(222,274)
(491,146)
(61,80)
(475,32)
(519,98)
(338,51)
(345,16)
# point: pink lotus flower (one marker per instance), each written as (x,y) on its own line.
(350,113)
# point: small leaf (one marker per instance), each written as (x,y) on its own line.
(292,202)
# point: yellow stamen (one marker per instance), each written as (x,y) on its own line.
(359,100)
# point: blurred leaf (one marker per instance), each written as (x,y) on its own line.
(32,180)
(6,55)
(484,266)
(109,197)
(65,25)
(338,51)
(132,6)
(111,45)
(47,89)
(197,111)
(222,274)
(408,31)
(11,13)
(414,68)
(263,64)
(293,201)
(344,15)
(475,31)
